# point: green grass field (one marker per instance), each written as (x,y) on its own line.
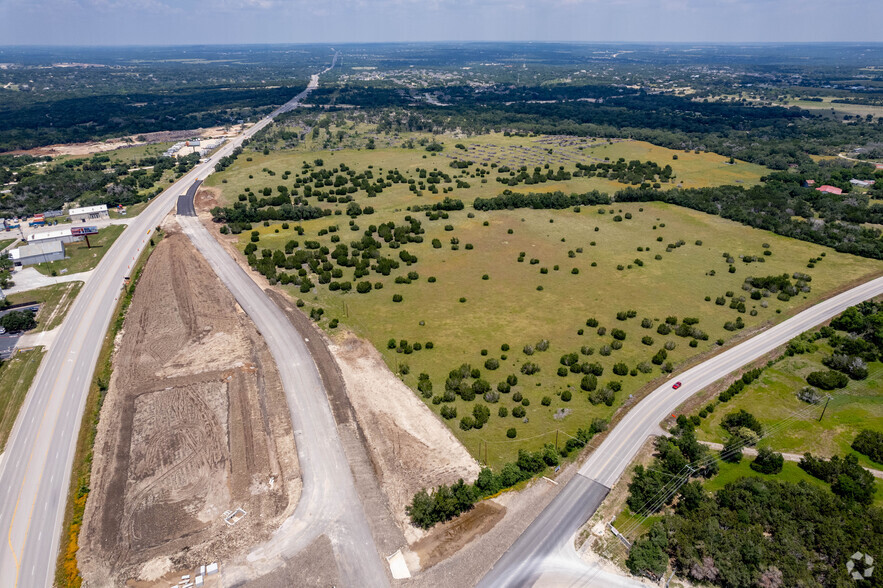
(772,399)
(16,375)
(79,257)
(56,300)
(6,243)
(509,308)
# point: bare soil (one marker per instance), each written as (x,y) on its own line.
(411,447)
(447,538)
(90,147)
(194,424)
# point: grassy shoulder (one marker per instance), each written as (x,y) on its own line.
(67,573)
(54,302)
(81,258)
(6,243)
(16,375)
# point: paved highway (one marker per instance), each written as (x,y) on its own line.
(544,549)
(329,502)
(36,466)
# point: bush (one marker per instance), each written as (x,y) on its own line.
(618,334)
(492,364)
(503,412)
(647,340)
(620,369)
(511,432)
(467,422)
(546,401)
(589,382)
(518,412)
(870,443)
(767,462)
(566,396)
(663,329)
(396,297)
(449,412)
(827,380)
(529,368)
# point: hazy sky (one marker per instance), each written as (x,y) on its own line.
(163,22)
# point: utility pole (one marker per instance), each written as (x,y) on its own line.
(827,400)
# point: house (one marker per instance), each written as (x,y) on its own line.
(808,183)
(829,189)
(862,183)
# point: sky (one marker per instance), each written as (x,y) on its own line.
(182,22)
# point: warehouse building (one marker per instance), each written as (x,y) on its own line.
(37,253)
(88,213)
(63,235)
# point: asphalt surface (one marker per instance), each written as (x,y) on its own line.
(36,466)
(185,206)
(546,547)
(329,503)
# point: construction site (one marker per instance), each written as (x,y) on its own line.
(195,460)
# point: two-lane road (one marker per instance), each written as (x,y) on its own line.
(36,465)
(538,551)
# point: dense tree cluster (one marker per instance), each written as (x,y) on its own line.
(18,320)
(96,180)
(785,209)
(758,532)
(543,200)
(848,479)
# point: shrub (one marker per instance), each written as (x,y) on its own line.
(767,461)
(647,340)
(528,350)
(546,401)
(492,364)
(512,380)
(396,297)
(870,443)
(589,382)
(510,432)
(827,380)
(449,412)
(562,371)
(566,396)
(503,387)
(391,344)
(618,334)
(503,412)
(517,397)
(467,422)
(363,287)
(519,412)
(530,368)
(620,369)
(663,329)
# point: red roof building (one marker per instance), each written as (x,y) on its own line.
(830,189)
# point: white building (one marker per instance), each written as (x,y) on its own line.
(37,253)
(88,213)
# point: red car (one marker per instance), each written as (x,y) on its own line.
(677,385)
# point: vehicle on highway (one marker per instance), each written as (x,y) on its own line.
(676,386)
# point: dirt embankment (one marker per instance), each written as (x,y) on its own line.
(411,448)
(195,424)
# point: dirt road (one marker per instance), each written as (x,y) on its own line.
(194,425)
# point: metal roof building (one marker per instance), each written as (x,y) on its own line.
(37,253)
(88,213)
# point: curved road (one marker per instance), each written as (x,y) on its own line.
(329,503)
(36,466)
(542,550)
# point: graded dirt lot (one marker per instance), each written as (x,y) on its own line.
(195,424)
